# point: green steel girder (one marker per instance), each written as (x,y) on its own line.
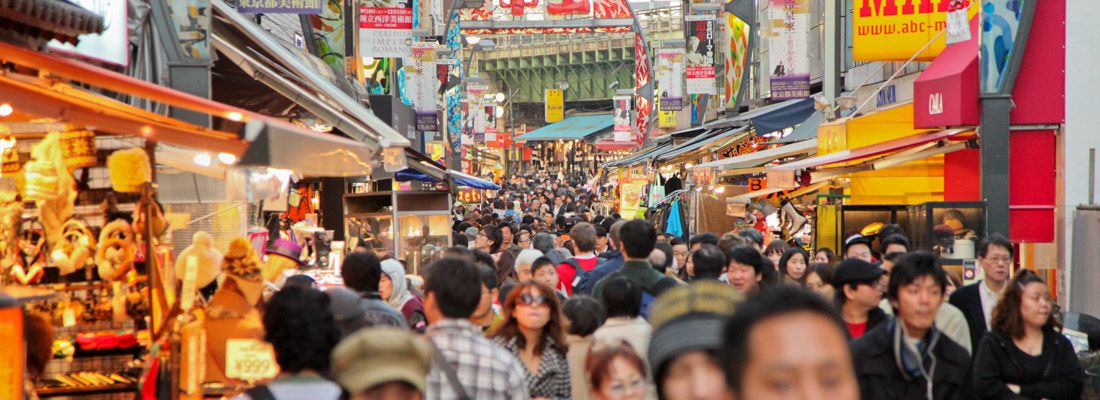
(589,67)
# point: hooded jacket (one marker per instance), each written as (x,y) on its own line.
(881,360)
(998,362)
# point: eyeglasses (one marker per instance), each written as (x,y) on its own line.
(528,299)
(619,388)
(1000,259)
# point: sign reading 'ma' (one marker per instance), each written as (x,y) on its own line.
(894,30)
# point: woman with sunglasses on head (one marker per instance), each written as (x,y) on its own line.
(1025,355)
(533,332)
(615,372)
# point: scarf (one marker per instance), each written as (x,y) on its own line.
(400,294)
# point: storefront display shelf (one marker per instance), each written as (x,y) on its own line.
(132,351)
(44,392)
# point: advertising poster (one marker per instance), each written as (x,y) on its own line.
(699,54)
(328,34)
(475,111)
(787,54)
(555,105)
(894,31)
(735,46)
(280,6)
(377,74)
(670,76)
(490,112)
(631,198)
(666,119)
(622,125)
(385,28)
(424,85)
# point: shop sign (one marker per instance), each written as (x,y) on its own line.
(888,95)
(935,103)
(622,124)
(894,30)
(788,53)
(699,31)
(670,76)
(385,28)
(249,360)
(758,184)
(425,86)
(280,6)
(555,105)
(111,46)
(471,196)
(666,119)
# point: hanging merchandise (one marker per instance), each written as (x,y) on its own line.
(622,120)
(11,217)
(699,31)
(385,28)
(76,250)
(207,260)
(129,170)
(670,76)
(117,250)
(788,53)
(9,154)
(675,225)
(30,258)
(78,148)
(50,186)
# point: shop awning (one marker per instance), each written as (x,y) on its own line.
(457,177)
(802,191)
(946,93)
(701,141)
(641,155)
(611,145)
(576,127)
(877,149)
(770,118)
(323,155)
(758,158)
(805,130)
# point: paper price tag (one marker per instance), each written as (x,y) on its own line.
(249,360)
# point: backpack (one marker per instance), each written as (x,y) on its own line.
(581,277)
(650,293)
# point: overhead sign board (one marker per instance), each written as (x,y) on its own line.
(555,105)
(895,30)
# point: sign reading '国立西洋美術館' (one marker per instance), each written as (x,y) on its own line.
(895,30)
(385,28)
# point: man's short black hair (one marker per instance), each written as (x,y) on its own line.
(705,237)
(753,236)
(913,266)
(361,272)
(540,263)
(748,256)
(484,259)
(456,285)
(708,262)
(299,325)
(676,241)
(488,277)
(621,297)
(639,238)
(585,315)
(783,300)
(896,238)
(995,239)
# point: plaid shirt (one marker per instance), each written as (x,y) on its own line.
(486,371)
(553,379)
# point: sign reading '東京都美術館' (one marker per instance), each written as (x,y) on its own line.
(895,30)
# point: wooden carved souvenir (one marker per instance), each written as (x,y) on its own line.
(115,255)
(76,250)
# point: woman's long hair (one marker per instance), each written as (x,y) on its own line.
(1006,315)
(553,329)
(791,252)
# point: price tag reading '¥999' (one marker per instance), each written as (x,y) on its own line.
(249,360)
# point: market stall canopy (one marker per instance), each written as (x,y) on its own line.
(791,193)
(758,158)
(458,178)
(317,155)
(611,145)
(770,118)
(805,130)
(702,141)
(49,19)
(575,127)
(889,146)
(641,155)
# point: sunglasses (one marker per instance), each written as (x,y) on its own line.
(532,300)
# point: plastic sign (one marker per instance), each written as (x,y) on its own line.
(894,30)
(555,105)
(249,360)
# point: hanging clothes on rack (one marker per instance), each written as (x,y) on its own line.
(674,222)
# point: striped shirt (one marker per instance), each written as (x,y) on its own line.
(485,370)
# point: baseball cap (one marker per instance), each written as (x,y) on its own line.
(856,239)
(689,318)
(854,270)
(374,356)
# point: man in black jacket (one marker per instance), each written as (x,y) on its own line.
(858,293)
(907,358)
(977,301)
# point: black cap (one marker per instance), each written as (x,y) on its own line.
(856,239)
(854,270)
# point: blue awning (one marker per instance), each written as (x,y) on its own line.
(770,118)
(700,141)
(572,128)
(461,179)
(805,130)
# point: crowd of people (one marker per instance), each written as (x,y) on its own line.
(545,297)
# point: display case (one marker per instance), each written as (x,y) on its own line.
(966,220)
(853,218)
(412,226)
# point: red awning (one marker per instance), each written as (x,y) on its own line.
(877,149)
(611,145)
(946,94)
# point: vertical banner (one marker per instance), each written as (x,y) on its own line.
(735,48)
(452,98)
(699,30)
(475,115)
(385,28)
(670,77)
(787,54)
(622,121)
(555,105)
(1000,22)
(425,85)
(377,75)
(490,112)
(328,35)
(643,88)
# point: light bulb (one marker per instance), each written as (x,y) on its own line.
(720,189)
(227,159)
(5,110)
(202,159)
(473,40)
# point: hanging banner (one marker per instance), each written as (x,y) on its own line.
(670,76)
(475,112)
(621,120)
(425,84)
(787,53)
(895,30)
(735,48)
(376,72)
(666,119)
(699,31)
(328,35)
(490,112)
(643,87)
(280,6)
(555,105)
(385,28)
(1000,23)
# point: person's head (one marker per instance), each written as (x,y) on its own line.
(382,363)
(1026,304)
(615,233)
(523,263)
(490,289)
(700,239)
(300,327)
(916,290)
(601,237)
(393,279)
(544,271)
(685,365)
(38,332)
(661,257)
(615,371)
(825,255)
(754,237)
(532,306)
(452,289)
(639,238)
(858,247)
(775,251)
(621,297)
(745,269)
(793,264)
(895,243)
(543,242)
(819,279)
(707,262)
(680,252)
(731,240)
(857,283)
(583,315)
(361,272)
(489,239)
(995,257)
(584,238)
(507,234)
(788,343)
